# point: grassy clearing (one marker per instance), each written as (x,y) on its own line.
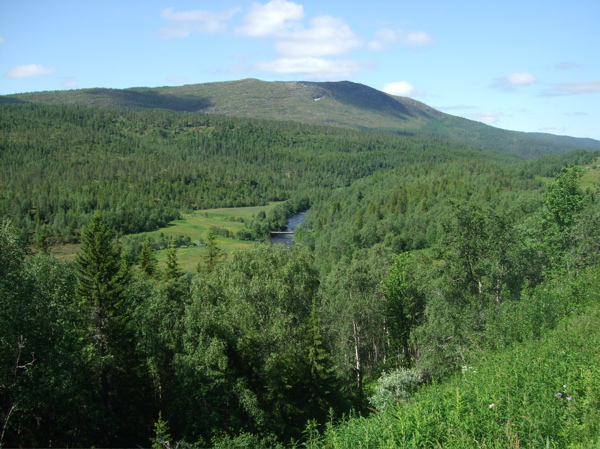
(196,226)
(591,177)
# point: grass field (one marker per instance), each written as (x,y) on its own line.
(196,226)
(591,178)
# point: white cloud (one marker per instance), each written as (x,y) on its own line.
(586,87)
(182,24)
(271,18)
(304,49)
(69,84)
(327,36)
(26,71)
(458,107)
(489,118)
(581,88)
(2,40)
(313,67)
(386,36)
(400,88)
(520,79)
(513,80)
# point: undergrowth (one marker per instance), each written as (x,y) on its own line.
(543,393)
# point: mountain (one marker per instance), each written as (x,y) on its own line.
(341,103)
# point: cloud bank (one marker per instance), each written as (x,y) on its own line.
(314,47)
(182,24)
(27,71)
(400,88)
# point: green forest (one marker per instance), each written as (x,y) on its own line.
(439,295)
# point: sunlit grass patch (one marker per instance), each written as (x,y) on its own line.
(196,226)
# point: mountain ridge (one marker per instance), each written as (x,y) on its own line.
(337,103)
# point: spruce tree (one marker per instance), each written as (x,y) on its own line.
(148,260)
(102,277)
(322,384)
(172,271)
(213,254)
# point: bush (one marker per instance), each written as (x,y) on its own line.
(395,387)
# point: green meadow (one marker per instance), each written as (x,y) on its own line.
(197,226)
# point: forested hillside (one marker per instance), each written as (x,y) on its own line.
(139,168)
(439,295)
(341,104)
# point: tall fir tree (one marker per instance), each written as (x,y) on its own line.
(102,279)
(172,271)
(148,260)
(212,256)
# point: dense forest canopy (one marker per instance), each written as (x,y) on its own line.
(140,168)
(342,104)
(422,263)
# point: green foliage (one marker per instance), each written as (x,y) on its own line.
(540,394)
(172,270)
(419,259)
(148,262)
(213,254)
(405,306)
(102,277)
(394,387)
(564,199)
(64,164)
(162,438)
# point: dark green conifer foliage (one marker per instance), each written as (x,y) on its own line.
(102,277)
(148,260)
(172,271)
(322,387)
(213,254)
(405,304)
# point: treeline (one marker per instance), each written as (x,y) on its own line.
(138,169)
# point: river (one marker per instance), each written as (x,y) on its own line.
(292,223)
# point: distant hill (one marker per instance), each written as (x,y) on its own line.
(341,103)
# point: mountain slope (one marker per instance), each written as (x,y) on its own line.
(340,103)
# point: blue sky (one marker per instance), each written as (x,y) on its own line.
(525,65)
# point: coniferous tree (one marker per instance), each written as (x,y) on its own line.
(213,254)
(148,260)
(173,271)
(102,279)
(322,385)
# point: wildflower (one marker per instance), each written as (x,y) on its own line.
(565,387)
(569,398)
(558,395)
(492,406)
